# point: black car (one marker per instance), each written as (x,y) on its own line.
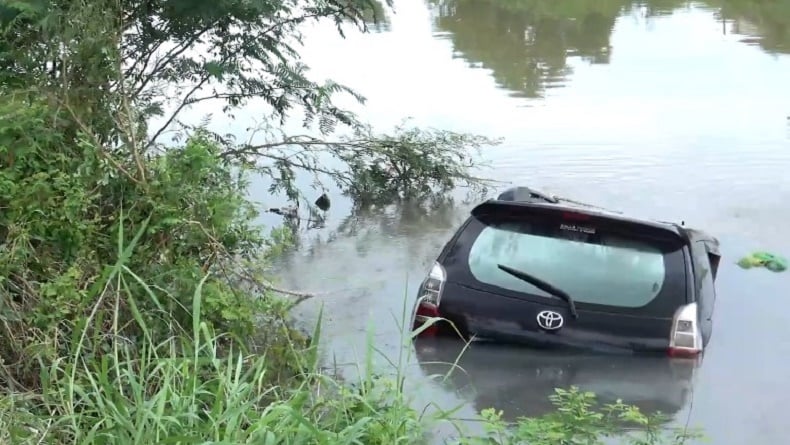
(531,268)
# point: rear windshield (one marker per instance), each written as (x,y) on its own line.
(591,265)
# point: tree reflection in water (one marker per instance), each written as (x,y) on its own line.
(527,43)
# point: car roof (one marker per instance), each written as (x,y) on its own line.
(522,196)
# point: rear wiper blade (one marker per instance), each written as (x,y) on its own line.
(542,285)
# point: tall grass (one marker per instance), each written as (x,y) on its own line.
(186,390)
(193,388)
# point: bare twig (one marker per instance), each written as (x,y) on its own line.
(142,60)
(302,141)
(129,127)
(184,104)
(301,296)
(169,57)
(227,96)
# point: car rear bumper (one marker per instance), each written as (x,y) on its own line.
(502,331)
(495,317)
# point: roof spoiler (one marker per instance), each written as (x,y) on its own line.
(526,194)
(618,222)
(490,206)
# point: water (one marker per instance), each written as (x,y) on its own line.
(667,109)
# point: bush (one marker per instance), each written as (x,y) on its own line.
(68,208)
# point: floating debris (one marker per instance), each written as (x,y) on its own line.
(770,261)
(323,202)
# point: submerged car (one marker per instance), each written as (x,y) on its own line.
(535,269)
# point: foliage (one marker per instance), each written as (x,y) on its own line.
(576,421)
(411,164)
(82,173)
(140,60)
(66,205)
(247,46)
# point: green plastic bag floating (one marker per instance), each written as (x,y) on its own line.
(770,261)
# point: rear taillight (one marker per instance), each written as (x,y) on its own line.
(431,289)
(430,295)
(685,339)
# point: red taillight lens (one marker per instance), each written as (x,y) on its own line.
(686,338)
(424,312)
(682,353)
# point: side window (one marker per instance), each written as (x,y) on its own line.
(703,284)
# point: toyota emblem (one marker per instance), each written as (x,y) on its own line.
(550,320)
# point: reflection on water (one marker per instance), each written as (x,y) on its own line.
(764,23)
(405,220)
(520,382)
(527,43)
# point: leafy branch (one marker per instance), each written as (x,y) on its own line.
(410,163)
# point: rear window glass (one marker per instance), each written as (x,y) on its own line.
(596,268)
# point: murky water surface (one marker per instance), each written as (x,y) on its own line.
(667,109)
